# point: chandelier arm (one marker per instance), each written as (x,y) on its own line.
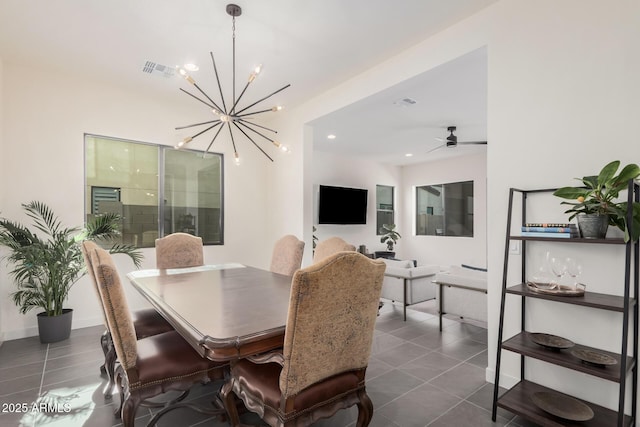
(255,131)
(215,69)
(196,124)
(205,130)
(238,100)
(199,99)
(247,123)
(254,143)
(207,96)
(233,141)
(253,113)
(266,97)
(214,138)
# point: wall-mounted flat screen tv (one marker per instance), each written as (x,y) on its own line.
(342,205)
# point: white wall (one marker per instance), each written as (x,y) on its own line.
(2,166)
(347,171)
(445,250)
(563,101)
(45,117)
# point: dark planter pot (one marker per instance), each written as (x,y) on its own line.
(593,226)
(55,328)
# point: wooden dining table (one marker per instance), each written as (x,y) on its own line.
(225,311)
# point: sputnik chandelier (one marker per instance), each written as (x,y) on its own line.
(235,118)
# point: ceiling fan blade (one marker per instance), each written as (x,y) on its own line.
(473,142)
(438,147)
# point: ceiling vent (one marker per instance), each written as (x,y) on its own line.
(405,102)
(154,68)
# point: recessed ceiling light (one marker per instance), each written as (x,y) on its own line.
(409,155)
(331,136)
(191,67)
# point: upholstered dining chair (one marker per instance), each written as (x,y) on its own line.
(321,368)
(179,250)
(330,246)
(287,255)
(146,322)
(150,366)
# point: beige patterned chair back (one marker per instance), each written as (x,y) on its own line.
(115,306)
(332,312)
(287,255)
(329,247)
(87,248)
(179,250)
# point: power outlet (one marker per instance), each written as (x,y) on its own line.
(514,247)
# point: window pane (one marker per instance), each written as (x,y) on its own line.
(192,195)
(384,206)
(445,209)
(133,169)
(125,177)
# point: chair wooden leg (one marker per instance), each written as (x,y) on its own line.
(228,398)
(365,409)
(110,363)
(129,408)
(104,343)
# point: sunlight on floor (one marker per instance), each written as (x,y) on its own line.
(62,407)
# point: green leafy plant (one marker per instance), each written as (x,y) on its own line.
(389,235)
(599,193)
(45,267)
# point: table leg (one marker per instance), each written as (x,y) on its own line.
(440,304)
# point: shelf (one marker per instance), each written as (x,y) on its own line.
(522,344)
(518,400)
(590,299)
(616,241)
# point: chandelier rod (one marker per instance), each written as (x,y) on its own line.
(246,122)
(213,139)
(197,124)
(266,97)
(252,141)
(215,69)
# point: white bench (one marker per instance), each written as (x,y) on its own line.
(466,293)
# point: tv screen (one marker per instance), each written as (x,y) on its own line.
(341,205)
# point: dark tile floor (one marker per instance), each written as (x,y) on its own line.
(417,376)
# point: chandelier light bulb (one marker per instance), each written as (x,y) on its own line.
(255,73)
(225,118)
(277,108)
(184,141)
(237,158)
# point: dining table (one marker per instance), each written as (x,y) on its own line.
(224,311)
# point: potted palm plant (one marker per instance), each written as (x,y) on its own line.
(595,203)
(45,266)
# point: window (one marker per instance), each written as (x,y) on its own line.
(157,190)
(445,209)
(384,207)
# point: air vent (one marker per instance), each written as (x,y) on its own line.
(154,68)
(405,102)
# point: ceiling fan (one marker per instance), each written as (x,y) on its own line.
(452,141)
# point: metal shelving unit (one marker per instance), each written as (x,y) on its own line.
(519,399)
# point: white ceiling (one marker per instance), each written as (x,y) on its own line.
(313,45)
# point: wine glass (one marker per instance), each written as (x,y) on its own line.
(574,269)
(559,269)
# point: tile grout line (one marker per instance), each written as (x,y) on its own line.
(44,368)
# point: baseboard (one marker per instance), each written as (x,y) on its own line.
(506,381)
(33,330)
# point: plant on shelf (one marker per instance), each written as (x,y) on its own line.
(46,266)
(389,235)
(598,198)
